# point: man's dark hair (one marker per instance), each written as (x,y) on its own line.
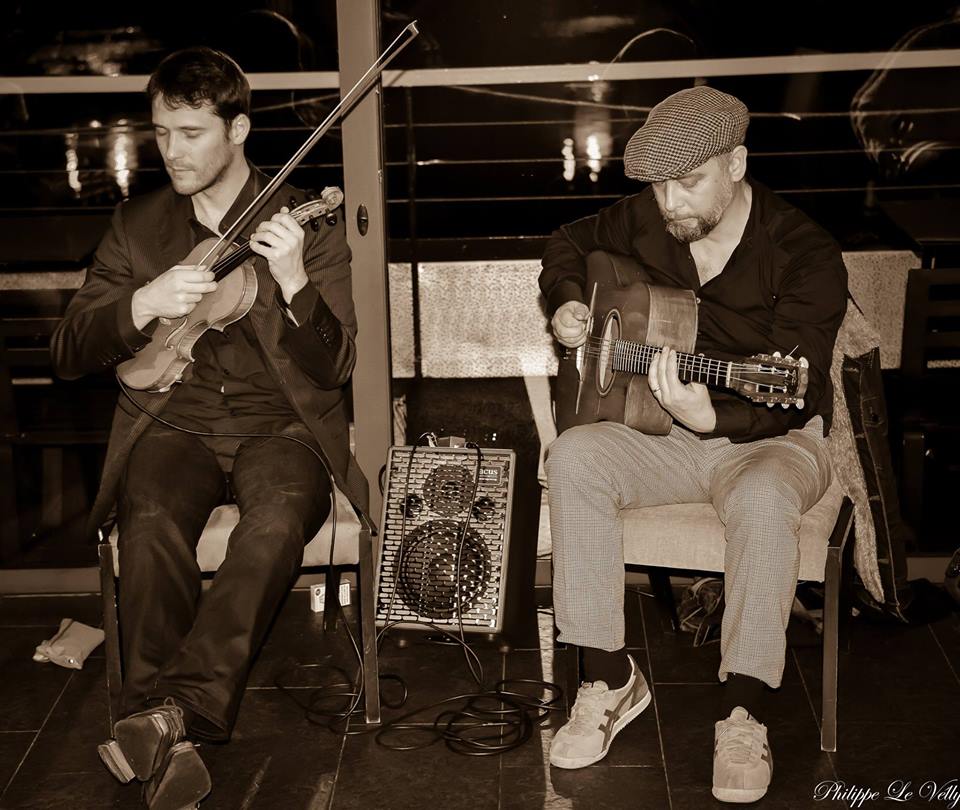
(198,76)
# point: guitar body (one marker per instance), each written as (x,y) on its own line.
(161,363)
(624,305)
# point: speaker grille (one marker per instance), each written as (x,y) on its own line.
(422,531)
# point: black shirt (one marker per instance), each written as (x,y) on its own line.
(228,388)
(783,289)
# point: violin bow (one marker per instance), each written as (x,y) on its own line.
(359,89)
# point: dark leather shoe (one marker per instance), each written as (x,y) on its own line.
(141,742)
(180,782)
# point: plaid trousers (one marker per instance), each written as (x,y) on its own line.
(759,489)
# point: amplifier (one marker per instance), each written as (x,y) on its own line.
(442,504)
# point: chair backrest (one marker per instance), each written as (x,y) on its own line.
(931,326)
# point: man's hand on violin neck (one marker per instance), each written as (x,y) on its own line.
(280,241)
(172,294)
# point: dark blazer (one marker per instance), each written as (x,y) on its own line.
(144,240)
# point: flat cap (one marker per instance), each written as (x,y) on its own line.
(684,131)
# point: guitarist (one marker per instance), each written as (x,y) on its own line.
(278,370)
(766,279)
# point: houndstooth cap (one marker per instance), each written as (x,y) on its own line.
(684,131)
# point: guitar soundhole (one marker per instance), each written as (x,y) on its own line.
(608,337)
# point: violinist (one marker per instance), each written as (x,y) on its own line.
(278,371)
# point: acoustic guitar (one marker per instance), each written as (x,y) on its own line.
(630,320)
(161,363)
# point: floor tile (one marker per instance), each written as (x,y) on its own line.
(28,688)
(876,755)
(896,661)
(13,745)
(77,724)
(584,789)
(275,759)
(947,634)
(374,777)
(82,790)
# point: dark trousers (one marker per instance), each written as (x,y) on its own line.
(176,644)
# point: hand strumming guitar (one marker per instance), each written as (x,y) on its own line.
(688,403)
(280,241)
(569,324)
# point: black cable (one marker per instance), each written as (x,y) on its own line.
(491,720)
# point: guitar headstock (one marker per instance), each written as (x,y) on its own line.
(771,378)
(331,198)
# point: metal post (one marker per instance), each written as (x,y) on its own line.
(358,38)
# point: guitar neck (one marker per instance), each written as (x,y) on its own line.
(636,358)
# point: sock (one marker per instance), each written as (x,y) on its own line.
(611,667)
(745,691)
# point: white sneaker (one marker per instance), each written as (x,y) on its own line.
(597,716)
(742,763)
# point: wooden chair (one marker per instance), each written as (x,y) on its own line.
(930,372)
(353,548)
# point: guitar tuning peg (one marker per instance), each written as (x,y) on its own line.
(315,224)
(776,354)
(293,203)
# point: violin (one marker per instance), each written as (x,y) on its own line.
(161,362)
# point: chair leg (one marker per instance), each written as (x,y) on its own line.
(366,600)
(111,631)
(9,517)
(663,593)
(573,674)
(331,599)
(911,477)
(831,614)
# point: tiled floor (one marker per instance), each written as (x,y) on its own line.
(899,696)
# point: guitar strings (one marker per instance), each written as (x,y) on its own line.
(638,357)
(637,351)
(694,362)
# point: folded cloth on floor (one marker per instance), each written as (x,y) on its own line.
(71,645)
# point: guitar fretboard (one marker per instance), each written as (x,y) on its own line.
(636,357)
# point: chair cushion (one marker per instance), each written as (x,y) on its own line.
(690,535)
(212,547)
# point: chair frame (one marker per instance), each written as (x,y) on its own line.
(365,602)
(833,611)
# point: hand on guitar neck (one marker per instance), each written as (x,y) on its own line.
(688,403)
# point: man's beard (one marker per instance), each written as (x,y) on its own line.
(693,229)
(200,181)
